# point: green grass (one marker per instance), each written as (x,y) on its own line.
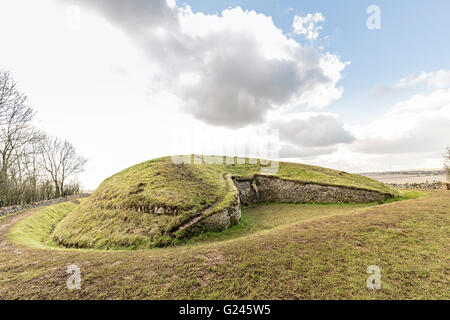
(297,252)
(409,194)
(36,229)
(122,212)
(259,218)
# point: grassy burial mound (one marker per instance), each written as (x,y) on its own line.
(160,201)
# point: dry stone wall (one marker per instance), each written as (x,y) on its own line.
(217,219)
(8,210)
(273,189)
(225,218)
(433,185)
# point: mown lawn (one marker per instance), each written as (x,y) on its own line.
(279,252)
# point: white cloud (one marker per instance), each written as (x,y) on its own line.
(310,134)
(418,124)
(116,85)
(244,65)
(292,151)
(424,81)
(308,25)
(325,93)
(439,79)
(412,80)
(116,89)
(312,129)
(412,133)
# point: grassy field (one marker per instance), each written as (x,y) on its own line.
(280,251)
(170,194)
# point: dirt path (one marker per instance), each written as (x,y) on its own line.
(7,221)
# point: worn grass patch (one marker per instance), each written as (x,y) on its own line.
(36,230)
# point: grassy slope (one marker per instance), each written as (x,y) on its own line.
(111,217)
(292,257)
(36,229)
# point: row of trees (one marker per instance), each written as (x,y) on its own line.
(33,165)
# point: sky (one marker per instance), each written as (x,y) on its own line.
(353,85)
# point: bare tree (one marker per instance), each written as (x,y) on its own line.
(16,131)
(33,166)
(61,161)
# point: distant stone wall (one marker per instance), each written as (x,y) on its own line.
(11,209)
(273,189)
(433,185)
